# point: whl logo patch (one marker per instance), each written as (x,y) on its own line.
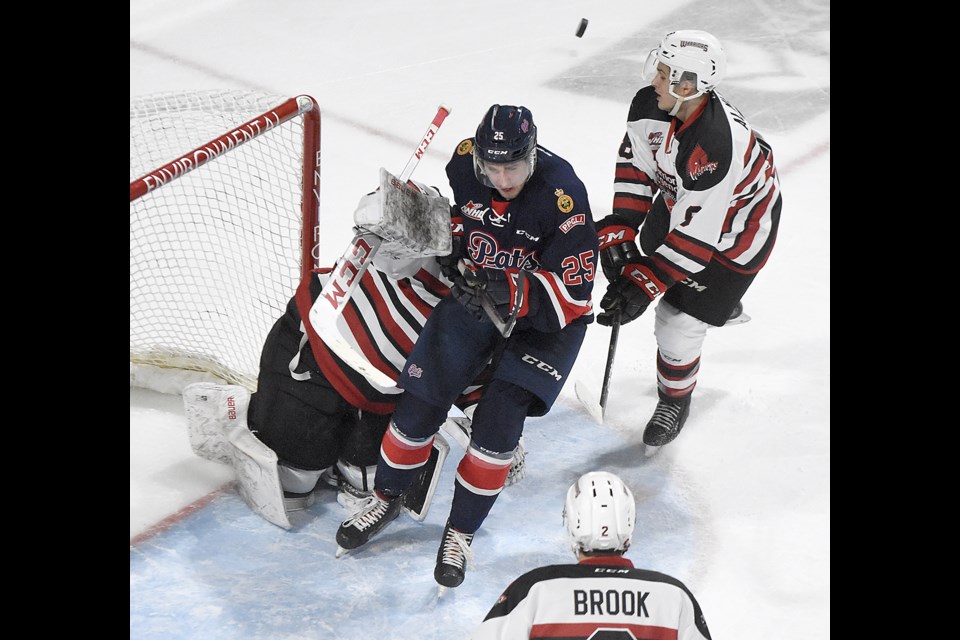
(414,371)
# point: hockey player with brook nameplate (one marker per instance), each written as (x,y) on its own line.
(315,422)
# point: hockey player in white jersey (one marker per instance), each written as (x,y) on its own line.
(314,422)
(696,209)
(603,594)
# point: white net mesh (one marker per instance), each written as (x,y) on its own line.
(215,254)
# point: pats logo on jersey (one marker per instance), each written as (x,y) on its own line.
(699,163)
(464,147)
(414,371)
(564,202)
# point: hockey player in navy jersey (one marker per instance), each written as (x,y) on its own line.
(603,595)
(523,265)
(696,209)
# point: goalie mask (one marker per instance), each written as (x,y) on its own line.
(505,148)
(600,513)
(694,56)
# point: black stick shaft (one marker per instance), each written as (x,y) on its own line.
(611,352)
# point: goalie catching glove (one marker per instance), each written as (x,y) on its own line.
(630,294)
(412,219)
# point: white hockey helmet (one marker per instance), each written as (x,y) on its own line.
(600,513)
(692,55)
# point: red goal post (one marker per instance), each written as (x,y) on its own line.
(224,223)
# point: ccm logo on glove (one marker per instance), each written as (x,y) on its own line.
(643,278)
(615,235)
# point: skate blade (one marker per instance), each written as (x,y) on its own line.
(649,450)
(341,551)
(441,590)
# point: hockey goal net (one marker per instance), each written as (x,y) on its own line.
(224,206)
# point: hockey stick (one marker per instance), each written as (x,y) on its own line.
(505,327)
(611,352)
(586,397)
(349,270)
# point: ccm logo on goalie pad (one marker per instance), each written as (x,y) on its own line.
(340,281)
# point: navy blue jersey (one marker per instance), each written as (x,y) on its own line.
(547,230)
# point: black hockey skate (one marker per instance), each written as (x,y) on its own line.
(452,557)
(667,420)
(375,513)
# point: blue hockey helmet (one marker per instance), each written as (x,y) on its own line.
(506,135)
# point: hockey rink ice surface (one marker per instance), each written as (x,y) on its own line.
(738,507)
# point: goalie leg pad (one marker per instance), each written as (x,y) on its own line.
(418,497)
(258,479)
(458,429)
(210,410)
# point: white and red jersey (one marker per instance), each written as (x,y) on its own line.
(703,189)
(382,319)
(600,594)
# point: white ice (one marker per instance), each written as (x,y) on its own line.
(738,507)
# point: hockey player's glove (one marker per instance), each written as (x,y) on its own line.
(618,247)
(466,289)
(498,288)
(493,282)
(630,294)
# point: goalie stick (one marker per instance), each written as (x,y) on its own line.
(350,268)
